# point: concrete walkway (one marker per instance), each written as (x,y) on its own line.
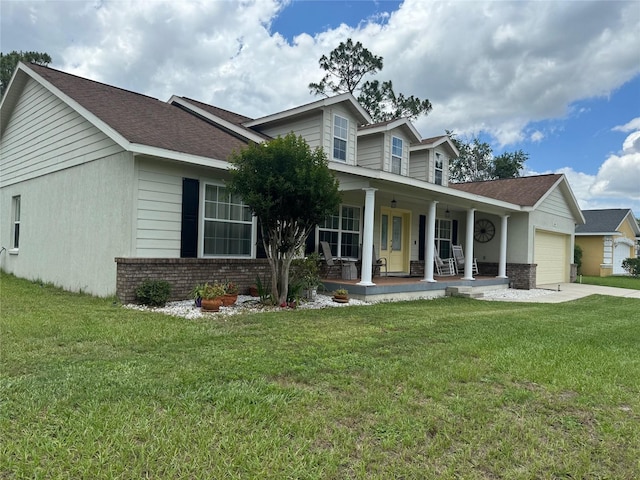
(565,292)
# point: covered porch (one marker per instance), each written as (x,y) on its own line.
(412,288)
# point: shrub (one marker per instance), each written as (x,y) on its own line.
(577,257)
(154,293)
(632,265)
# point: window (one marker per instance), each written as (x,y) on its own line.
(342,231)
(438,170)
(396,155)
(228,224)
(443,238)
(340,135)
(15,218)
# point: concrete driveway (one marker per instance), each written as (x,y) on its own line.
(565,292)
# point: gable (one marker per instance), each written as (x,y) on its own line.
(555,204)
(43,134)
(629,227)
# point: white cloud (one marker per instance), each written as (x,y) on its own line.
(617,183)
(619,175)
(495,66)
(537,136)
(630,126)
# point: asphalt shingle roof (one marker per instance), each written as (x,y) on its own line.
(602,221)
(144,120)
(226,115)
(524,191)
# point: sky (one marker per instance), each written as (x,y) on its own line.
(559,80)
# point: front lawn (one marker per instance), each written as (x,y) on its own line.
(613,281)
(449,388)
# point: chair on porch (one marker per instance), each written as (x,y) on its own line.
(444,268)
(347,267)
(458,255)
(379,263)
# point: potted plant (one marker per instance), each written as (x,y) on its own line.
(231,293)
(212,297)
(308,270)
(341,295)
(196,294)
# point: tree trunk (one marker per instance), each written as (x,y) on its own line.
(281,245)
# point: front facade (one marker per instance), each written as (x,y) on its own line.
(608,237)
(91,174)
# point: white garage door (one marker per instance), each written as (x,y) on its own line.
(552,256)
(620,252)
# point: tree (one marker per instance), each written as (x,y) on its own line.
(509,164)
(9,62)
(347,65)
(474,163)
(291,189)
(477,163)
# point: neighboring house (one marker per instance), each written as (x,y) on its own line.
(100,187)
(607,238)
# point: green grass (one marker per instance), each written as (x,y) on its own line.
(450,388)
(613,281)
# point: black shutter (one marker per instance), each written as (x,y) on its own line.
(454,232)
(189,231)
(421,237)
(260,251)
(310,243)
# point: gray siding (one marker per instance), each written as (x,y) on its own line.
(159,210)
(309,128)
(418,164)
(370,151)
(555,204)
(45,135)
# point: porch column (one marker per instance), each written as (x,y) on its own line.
(367,237)
(468,254)
(430,243)
(502,265)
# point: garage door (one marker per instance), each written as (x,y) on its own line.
(620,252)
(551,255)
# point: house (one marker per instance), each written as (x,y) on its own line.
(607,237)
(102,187)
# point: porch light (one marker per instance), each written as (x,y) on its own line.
(447,214)
(394,204)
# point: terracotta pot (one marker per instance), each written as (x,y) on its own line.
(253,291)
(341,298)
(229,299)
(211,304)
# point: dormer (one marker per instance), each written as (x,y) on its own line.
(330,123)
(385,146)
(430,159)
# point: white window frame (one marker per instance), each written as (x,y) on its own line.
(340,230)
(338,131)
(447,223)
(204,219)
(396,156)
(15,223)
(438,166)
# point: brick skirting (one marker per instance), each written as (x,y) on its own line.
(521,275)
(184,273)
